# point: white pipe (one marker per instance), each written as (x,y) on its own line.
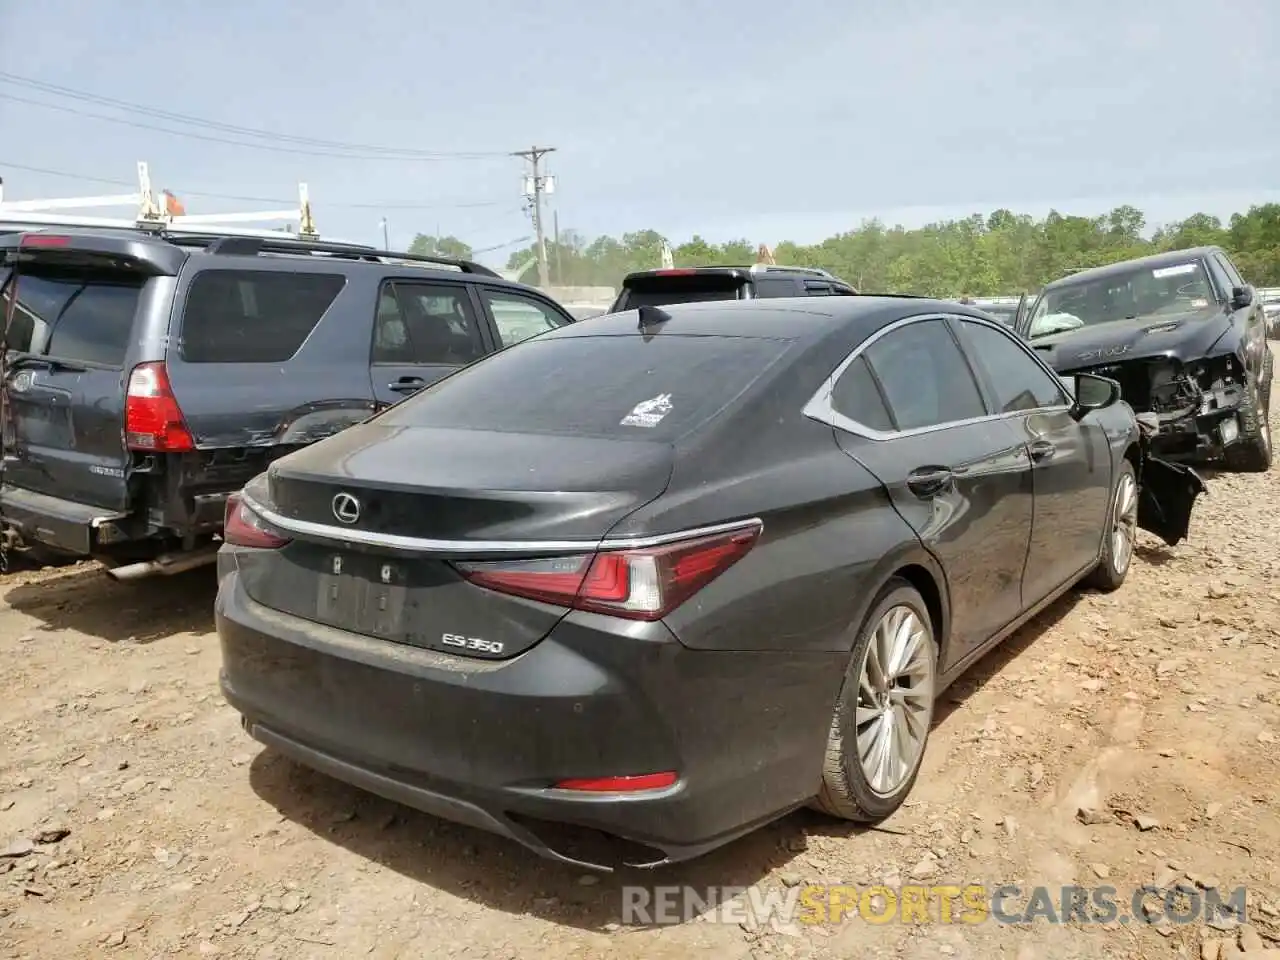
(69,203)
(167,565)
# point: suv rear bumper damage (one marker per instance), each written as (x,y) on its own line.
(1194,405)
(64,525)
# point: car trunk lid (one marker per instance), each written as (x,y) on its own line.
(374,555)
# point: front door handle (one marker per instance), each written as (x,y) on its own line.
(926,482)
(407,385)
(1042,450)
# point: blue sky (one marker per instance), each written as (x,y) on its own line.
(769,121)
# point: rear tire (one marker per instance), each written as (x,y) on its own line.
(1251,453)
(1121,533)
(880,725)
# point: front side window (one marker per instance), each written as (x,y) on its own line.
(519,318)
(925,378)
(1019,382)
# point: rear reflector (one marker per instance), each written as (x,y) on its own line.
(244,528)
(153,421)
(630,784)
(643,584)
(43,240)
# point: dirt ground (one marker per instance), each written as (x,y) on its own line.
(187,839)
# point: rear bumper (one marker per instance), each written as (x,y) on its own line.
(483,742)
(65,525)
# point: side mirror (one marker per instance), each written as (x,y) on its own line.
(1093,393)
(1241,297)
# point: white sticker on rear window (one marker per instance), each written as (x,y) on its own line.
(648,413)
(1175,271)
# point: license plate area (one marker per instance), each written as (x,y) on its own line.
(362,594)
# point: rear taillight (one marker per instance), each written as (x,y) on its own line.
(675,272)
(153,421)
(641,584)
(244,528)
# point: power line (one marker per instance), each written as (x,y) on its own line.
(268,147)
(389,205)
(192,120)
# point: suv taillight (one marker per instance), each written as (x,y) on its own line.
(153,421)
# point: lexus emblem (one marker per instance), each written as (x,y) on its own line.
(346,508)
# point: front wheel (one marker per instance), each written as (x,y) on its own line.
(881,719)
(1251,453)
(1121,533)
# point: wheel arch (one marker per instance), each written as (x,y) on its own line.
(920,569)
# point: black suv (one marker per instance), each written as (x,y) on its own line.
(657,288)
(1185,337)
(148,375)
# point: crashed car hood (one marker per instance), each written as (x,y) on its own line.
(1183,336)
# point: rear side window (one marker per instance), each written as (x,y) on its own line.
(623,387)
(253,316)
(74,314)
(925,377)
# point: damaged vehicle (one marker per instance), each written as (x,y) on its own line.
(1186,339)
(147,375)
(571,625)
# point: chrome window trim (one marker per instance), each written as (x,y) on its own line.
(395,541)
(819,406)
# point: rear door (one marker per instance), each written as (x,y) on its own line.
(910,410)
(69,331)
(424,330)
(515,315)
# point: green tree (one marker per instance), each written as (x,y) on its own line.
(1000,252)
(430,246)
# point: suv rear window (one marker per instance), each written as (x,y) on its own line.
(253,316)
(658,291)
(73,313)
(623,387)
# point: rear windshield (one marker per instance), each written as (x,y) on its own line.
(623,387)
(660,291)
(72,313)
(253,316)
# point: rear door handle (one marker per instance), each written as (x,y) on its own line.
(407,385)
(1042,450)
(926,482)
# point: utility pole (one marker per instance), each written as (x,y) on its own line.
(386,236)
(555,223)
(535,186)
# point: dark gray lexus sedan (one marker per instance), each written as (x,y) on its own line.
(666,574)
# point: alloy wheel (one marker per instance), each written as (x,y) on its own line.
(895,700)
(1124,530)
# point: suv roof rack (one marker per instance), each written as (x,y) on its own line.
(252,245)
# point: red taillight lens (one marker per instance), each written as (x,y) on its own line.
(675,272)
(628,784)
(642,584)
(153,421)
(43,240)
(244,528)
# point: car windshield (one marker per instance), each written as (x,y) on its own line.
(1149,291)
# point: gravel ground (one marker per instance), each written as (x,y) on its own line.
(1122,740)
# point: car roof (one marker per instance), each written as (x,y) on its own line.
(169,250)
(782,318)
(1167,259)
